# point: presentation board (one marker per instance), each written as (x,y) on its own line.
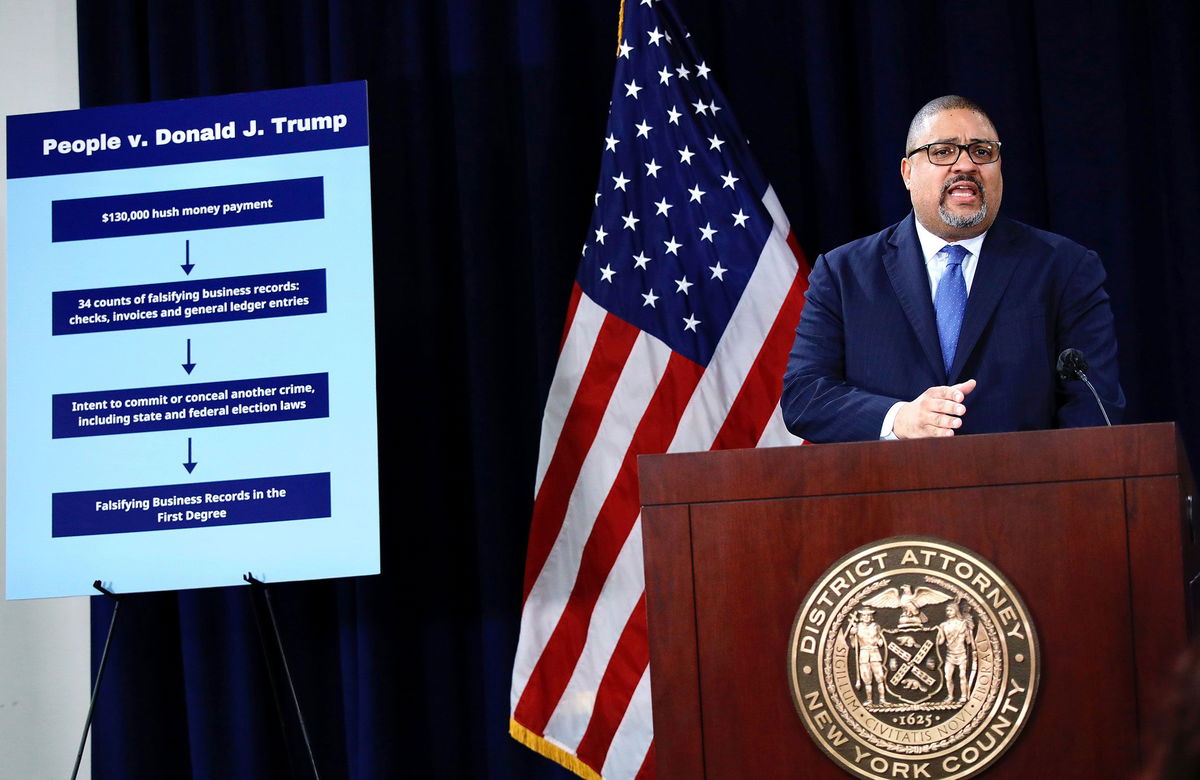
(191,352)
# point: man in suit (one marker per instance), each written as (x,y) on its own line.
(952,320)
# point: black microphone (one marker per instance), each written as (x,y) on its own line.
(1073,365)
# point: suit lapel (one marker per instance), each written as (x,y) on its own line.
(997,262)
(906,270)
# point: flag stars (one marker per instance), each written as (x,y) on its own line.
(643,130)
(686,155)
(607,273)
(631,221)
(714,108)
(655,36)
(682,285)
(624,49)
(729,180)
(641,261)
(700,107)
(652,169)
(690,322)
(739,219)
(674,115)
(632,89)
(600,234)
(682,72)
(718,272)
(665,76)
(597,203)
(707,232)
(715,143)
(611,142)
(663,207)
(619,182)
(649,298)
(672,246)
(703,70)
(697,194)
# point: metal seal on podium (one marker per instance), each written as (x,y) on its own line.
(913,657)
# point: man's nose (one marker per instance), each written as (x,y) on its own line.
(964,162)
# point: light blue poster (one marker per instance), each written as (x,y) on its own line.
(191,353)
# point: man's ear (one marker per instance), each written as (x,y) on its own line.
(905,172)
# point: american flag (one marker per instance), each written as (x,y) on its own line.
(678,331)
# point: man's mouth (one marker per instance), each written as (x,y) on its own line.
(962,189)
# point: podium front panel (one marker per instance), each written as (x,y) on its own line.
(750,726)
(1092,527)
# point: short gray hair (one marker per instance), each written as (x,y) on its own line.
(937,106)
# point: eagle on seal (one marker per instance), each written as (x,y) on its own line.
(909,602)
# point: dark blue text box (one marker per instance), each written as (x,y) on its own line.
(164,507)
(202,208)
(162,305)
(169,132)
(201,405)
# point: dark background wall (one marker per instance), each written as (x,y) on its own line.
(487,118)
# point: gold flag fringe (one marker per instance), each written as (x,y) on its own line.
(551,751)
(516,730)
(620,26)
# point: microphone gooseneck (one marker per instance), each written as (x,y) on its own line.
(1073,365)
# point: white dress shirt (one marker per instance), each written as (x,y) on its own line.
(935,266)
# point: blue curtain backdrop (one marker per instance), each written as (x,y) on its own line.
(486,126)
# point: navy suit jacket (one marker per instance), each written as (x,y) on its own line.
(868,337)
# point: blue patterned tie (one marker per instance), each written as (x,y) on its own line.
(950,301)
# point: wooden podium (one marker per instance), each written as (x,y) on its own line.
(1092,526)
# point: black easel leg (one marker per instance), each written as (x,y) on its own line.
(87,724)
(286,672)
(271,678)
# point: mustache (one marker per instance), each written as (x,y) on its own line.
(961,178)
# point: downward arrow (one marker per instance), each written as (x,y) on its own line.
(188,265)
(189,365)
(191,464)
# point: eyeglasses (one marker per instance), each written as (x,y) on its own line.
(980,152)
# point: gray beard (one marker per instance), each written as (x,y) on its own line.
(965,220)
(962,220)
